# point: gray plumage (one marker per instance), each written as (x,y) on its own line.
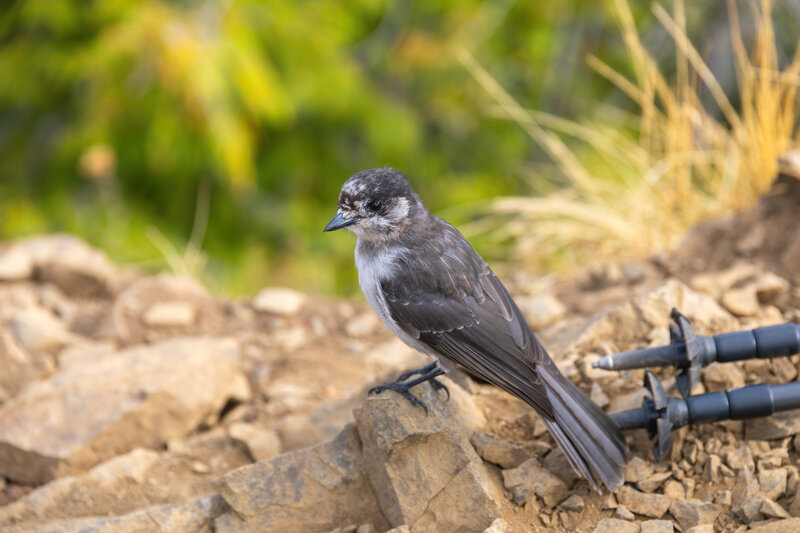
(436,293)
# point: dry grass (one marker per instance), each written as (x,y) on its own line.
(686,164)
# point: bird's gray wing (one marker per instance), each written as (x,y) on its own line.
(446,296)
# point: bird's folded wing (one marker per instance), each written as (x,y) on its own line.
(464,313)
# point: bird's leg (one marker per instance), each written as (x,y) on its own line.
(437,385)
(424,370)
(426,373)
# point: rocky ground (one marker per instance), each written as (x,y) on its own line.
(143,403)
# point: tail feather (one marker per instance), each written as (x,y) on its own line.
(584,432)
(572,455)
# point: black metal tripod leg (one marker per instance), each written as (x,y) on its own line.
(403,387)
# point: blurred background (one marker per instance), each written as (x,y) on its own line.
(212,137)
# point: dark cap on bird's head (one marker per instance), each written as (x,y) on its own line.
(376,204)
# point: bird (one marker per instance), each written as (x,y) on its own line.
(435,292)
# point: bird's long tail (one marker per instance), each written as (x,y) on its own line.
(591,441)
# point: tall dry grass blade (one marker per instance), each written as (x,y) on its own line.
(685,46)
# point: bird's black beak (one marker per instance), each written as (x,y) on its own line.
(340,222)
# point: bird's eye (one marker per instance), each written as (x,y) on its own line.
(374,205)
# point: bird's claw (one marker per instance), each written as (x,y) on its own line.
(438,385)
(403,390)
(427,373)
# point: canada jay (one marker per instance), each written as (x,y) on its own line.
(435,292)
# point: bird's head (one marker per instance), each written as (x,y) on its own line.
(376,205)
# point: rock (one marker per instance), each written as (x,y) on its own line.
(414,459)
(15,264)
(598,396)
(656,526)
(637,469)
(263,444)
(790,525)
(715,283)
(84,354)
(652,483)
(607,501)
(615,525)
(557,463)
(542,311)
(758,447)
(773,510)
(328,419)
(772,482)
(794,507)
(170,315)
(711,468)
(776,426)
(702,528)
(623,513)
(279,301)
(69,263)
(498,526)
(530,477)
(745,489)
(574,504)
(140,478)
(291,396)
(770,287)
(315,489)
(718,376)
(362,325)
(198,516)
(740,458)
(783,369)
(652,505)
(467,503)
(497,450)
(750,511)
(741,301)
(724,498)
(37,330)
(674,489)
(757,370)
(70,497)
(140,397)
(297,431)
(18,367)
(690,451)
(773,459)
(693,512)
(135,304)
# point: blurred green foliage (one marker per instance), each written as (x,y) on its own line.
(123,120)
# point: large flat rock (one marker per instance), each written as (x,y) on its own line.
(139,397)
(315,489)
(196,516)
(136,480)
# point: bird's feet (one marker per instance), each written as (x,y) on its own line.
(401,386)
